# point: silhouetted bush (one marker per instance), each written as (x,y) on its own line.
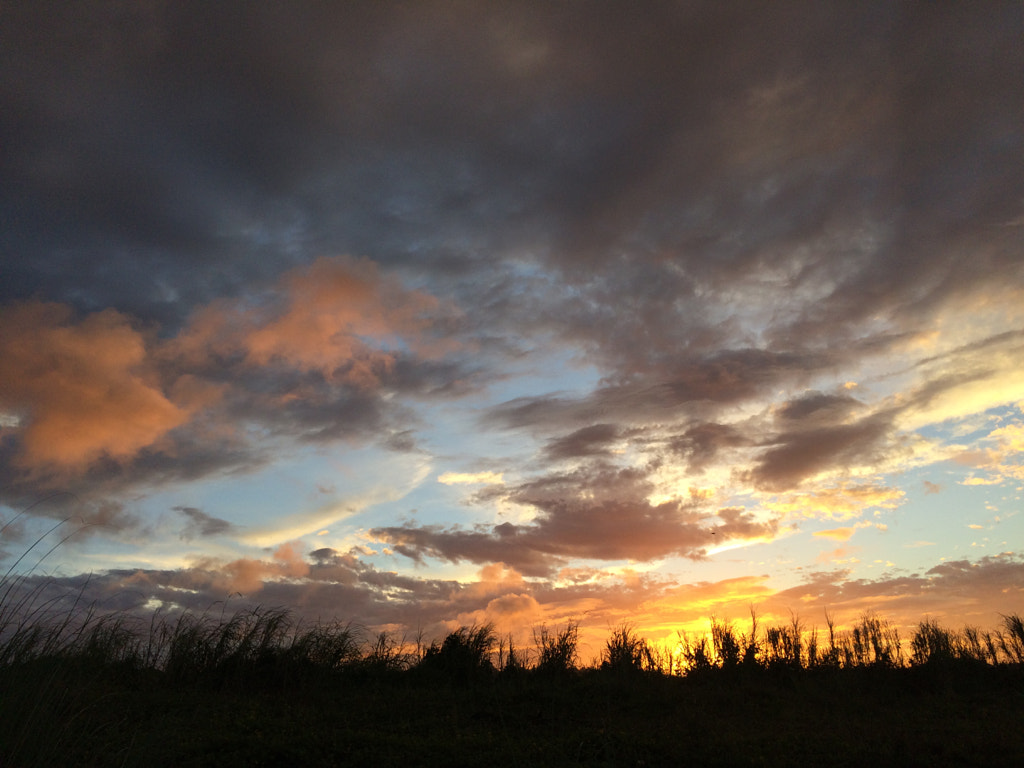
(625,651)
(511,661)
(1012,643)
(464,654)
(557,651)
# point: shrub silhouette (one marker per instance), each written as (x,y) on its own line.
(1012,643)
(784,646)
(386,654)
(931,644)
(875,642)
(463,654)
(626,652)
(557,651)
(697,657)
(511,661)
(728,648)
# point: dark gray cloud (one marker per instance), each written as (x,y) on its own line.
(168,155)
(817,408)
(666,168)
(795,456)
(588,441)
(701,443)
(67,517)
(201,524)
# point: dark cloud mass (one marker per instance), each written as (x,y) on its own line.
(588,441)
(201,524)
(799,455)
(723,137)
(701,443)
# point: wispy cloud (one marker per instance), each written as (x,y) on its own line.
(470,478)
(839,534)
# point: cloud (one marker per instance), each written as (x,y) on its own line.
(336,316)
(83,389)
(954,593)
(94,401)
(1010,437)
(470,478)
(677,235)
(701,443)
(799,455)
(839,534)
(980,481)
(521,609)
(201,524)
(331,307)
(969,379)
(588,441)
(817,408)
(249,575)
(595,512)
(286,526)
(841,502)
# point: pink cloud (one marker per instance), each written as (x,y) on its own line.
(339,316)
(78,389)
(82,389)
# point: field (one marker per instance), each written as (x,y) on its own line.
(259,689)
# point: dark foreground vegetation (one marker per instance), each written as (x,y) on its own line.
(259,688)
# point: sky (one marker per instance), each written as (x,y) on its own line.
(426,314)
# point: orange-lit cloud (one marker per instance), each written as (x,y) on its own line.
(331,308)
(842,502)
(82,388)
(77,389)
(839,534)
(840,556)
(1010,437)
(248,575)
(339,316)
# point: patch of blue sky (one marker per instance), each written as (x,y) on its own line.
(941,518)
(33,544)
(298,496)
(973,427)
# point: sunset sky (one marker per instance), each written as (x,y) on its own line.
(424,314)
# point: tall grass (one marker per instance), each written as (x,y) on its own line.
(72,677)
(557,650)
(57,670)
(272,644)
(625,651)
(464,654)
